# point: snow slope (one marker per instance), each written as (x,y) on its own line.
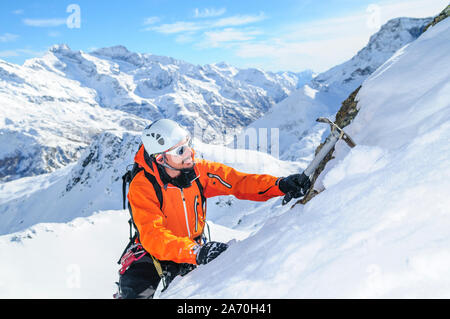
(380,229)
(71,260)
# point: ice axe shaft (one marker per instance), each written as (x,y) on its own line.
(336,134)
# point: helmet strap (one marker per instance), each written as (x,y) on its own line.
(184,179)
(165,164)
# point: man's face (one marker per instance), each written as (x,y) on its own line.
(183,157)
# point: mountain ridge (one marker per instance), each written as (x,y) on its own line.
(58,103)
(295,116)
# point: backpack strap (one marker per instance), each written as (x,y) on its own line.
(126,179)
(200,188)
(156,186)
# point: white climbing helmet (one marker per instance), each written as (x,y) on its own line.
(161,135)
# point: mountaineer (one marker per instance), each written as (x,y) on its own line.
(168,188)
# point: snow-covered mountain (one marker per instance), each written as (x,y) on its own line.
(378,230)
(295,116)
(342,79)
(150,86)
(46,119)
(53,106)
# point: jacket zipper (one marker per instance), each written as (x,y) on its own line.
(210,175)
(185,212)
(196,213)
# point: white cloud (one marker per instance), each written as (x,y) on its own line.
(185,26)
(151,20)
(177,27)
(322,44)
(185,38)
(208,13)
(8,37)
(410,8)
(319,44)
(326,29)
(54,34)
(18,11)
(44,22)
(239,20)
(318,55)
(21,52)
(228,35)
(8,53)
(316,45)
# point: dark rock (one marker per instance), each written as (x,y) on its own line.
(344,117)
(441,16)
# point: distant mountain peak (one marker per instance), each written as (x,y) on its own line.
(222,64)
(114,51)
(60,48)
(392,35)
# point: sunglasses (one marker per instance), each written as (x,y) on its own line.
(181,150)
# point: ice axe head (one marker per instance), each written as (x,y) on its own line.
(334,127)
(336,134)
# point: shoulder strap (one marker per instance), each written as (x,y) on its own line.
(156,186)
(126,180)
(128,177)
(200,188)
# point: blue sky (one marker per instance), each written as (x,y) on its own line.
(273,35)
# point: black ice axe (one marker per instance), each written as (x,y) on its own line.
(335,135)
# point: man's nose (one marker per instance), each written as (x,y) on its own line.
(187,152)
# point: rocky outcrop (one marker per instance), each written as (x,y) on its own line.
(344,78)
(106,154)
(441,16)
(344,117)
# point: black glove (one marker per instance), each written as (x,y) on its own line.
(294,186)
(209,251)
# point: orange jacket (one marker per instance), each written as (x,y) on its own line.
(169,233)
